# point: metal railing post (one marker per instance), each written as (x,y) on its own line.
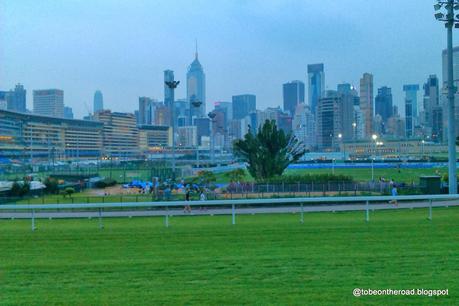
(367,211)
(33,220)
(302,214)
(167,217)
(430,209)
(101,225)
(233,213)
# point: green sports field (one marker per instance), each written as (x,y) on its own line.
(264,259)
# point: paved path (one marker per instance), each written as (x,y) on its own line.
(222,211)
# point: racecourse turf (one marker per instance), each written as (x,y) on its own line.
(263,259)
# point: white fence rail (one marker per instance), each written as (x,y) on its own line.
(364,201)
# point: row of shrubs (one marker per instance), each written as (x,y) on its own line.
(106,182)
(308,179)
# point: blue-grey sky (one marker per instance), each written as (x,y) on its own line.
(122,47)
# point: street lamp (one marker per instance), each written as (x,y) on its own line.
(173,85)
(212,117)
(450,20)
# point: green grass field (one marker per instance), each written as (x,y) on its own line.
(361,175)
(264,259)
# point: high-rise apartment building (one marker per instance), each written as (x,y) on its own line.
(384,104)
(98,103)
(316,85)
(303,125)
(293,94)
(328,121)
(49,102)
(243,105)
(366,103)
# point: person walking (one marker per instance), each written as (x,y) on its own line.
(394,193)
(187,199)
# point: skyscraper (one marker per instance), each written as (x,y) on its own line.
(243,105)
(384,104)
(49,102)
(366,103)
(411,101)
(316,85)
(432,109)
(293,94)
(145,110)
(347,95)
(196,87)
(68,112)
(328,120)
(16,99)
(98,103)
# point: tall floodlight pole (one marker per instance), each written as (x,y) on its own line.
(197,104)
(450,20)
(173,85)
(212,140)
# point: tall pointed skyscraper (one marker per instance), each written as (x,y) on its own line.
(196,87)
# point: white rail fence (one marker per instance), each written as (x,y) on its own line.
(360,203)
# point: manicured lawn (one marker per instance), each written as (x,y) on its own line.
(264,259)
(361,175)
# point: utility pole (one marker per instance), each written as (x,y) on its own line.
(449,19)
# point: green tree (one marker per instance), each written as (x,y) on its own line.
(235,175)
(68,191)
(51,185)
(269,152)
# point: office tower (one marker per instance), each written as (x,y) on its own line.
(293,94)
(196,87)
(226,108)
(431,103)
(366,103)
(145,110)
(303,125)
(162,116)
(202,128)
(120,134)
(16,99)
(348,96)
(383,105)
(187,136)
(68,112)
(328,121)
(98,103)
(49,102)
(182,112)
(316,85)
(3,102)
(411,101)
(243,105)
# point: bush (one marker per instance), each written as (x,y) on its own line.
(19,190)
(309,178)
(107,182)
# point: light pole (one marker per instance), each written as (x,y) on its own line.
(374,137)
(173,85)
(450,20)
(212,140)
(197,104)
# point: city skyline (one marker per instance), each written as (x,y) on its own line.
(231,62)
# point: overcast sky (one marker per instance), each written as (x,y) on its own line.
(122,47)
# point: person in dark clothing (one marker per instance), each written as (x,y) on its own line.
(187,198)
